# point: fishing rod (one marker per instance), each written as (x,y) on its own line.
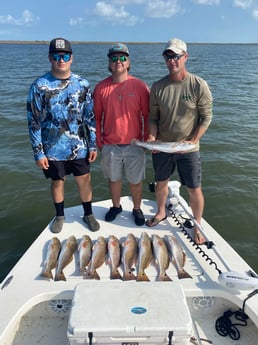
(230,279)
(175,199)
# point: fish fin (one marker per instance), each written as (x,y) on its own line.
(184,258)
(183,274)
(69,260)
(135,259)
(48,275)
(173,262)
(60,276)
(142,277)
(43,264)
(115,274)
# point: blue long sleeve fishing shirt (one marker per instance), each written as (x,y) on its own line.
(56,111)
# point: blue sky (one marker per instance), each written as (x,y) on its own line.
(209,21)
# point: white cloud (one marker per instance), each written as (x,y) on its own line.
(244,4)
(115,14)
(27,19)
(255,14)
(162,9)
(126,2)
(207,2)
(76,21)
(133,12)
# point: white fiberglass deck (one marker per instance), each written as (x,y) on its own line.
(24,290)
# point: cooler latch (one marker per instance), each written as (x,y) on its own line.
(90,336)
(170,336)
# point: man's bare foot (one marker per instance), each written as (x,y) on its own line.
(198,237)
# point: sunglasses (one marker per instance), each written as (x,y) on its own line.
(116,58)
(58,57)
(175,57)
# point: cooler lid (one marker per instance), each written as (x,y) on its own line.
(123,308)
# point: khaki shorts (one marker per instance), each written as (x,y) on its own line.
(123,160)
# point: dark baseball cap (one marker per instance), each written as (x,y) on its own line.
(118,48)
(58,45)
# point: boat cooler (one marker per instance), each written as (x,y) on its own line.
(129,313)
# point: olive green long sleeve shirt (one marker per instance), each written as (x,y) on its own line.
(179,108)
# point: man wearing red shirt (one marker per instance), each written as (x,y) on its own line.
(121,105)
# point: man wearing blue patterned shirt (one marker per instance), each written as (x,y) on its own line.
(62,131)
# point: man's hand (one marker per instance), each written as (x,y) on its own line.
(43,163)
(92,156)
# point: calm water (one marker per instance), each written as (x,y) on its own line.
(229,148)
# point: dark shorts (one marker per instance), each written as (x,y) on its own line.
(188,167)
(59,169)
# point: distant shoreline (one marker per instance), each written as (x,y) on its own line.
(105,42)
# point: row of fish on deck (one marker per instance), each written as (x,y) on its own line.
(131,254)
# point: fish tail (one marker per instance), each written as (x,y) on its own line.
(91,275)
(60,276)
(164,277)
(115,274)
(183,274)
(95,275)
(46,274)
(87,275)
(142,277)
(129,276)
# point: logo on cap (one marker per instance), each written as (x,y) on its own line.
(60,44)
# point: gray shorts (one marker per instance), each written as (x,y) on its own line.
(127,160)
(188,167)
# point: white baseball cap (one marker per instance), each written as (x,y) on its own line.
(176,45)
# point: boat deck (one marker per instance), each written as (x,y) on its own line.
(48,294)
(54,323)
